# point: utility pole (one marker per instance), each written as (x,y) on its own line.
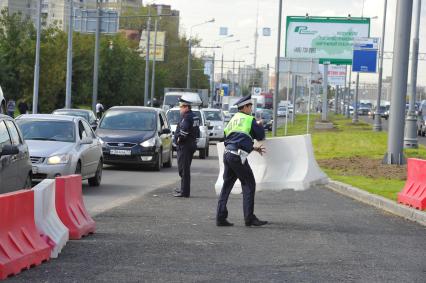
(188,74)
(377,119)
(277,72)
(294,90)
(256,36)
(37,61)
(336,100)
(148,29)
(69,58)
(355,118)
(348,113)
(153,63)
(324,94)
(96,59)
(410,140)
(401,49)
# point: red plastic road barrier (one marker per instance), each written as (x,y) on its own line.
(414,192)
(21,246)
(70,207)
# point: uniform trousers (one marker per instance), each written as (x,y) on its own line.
(185,153)
(234,170)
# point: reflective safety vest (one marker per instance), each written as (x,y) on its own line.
(240,123)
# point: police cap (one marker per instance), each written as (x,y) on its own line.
(244,101)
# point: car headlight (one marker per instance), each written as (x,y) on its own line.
(149,143)
(58,159)
(101,141)
(218,127)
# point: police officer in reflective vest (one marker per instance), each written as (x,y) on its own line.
(239,135)
(185,138)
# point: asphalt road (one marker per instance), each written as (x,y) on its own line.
(313,236)
(385,123)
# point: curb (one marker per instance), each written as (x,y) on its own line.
(378,202)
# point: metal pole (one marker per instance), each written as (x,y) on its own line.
(348,113)
(325,94)
(148,29)
(96,61)
(377,119)
(233,76)
(309,99)
(410,140)
(336,100)
(188,73)
(212,91)
(294,82)
(69,58)
(277,73)
(355,117)
(153,63)
(287,100)
(401,49)
(37,61)
(221,69)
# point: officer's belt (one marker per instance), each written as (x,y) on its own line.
(241,153)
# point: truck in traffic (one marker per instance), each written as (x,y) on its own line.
(172,95)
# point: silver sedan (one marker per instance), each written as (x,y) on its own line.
(62,145)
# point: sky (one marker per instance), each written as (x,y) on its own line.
(240,18)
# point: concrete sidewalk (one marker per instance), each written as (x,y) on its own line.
(314,236)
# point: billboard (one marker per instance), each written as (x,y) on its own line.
(336,74)
(328,39)
(161,41)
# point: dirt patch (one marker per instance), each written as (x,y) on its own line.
(364,166)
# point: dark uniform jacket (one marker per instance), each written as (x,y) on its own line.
(187,130)
(237,141)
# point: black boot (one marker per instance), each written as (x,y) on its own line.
(223,223)
(255,222)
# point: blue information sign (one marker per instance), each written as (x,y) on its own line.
(364,61)
(364,57)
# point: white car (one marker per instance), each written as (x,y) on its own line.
(173,117)
(282,111)
(2,102)
(62,145)
(216,123)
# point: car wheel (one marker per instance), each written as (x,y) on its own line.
(28,182)
(159,162)
(95,181)
(202,153)
(169,163)
(78,168)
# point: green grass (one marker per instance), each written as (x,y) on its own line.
(348,140)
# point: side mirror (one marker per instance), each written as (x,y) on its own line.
(94,126)
(208,123)
(166,131)
(9,150)
(87,140)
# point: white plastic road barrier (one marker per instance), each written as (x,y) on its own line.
(46,217)
(289,163)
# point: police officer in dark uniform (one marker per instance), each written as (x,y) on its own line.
(239,135)
(185,138)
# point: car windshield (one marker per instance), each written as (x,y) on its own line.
(171,100)
(129,120)
(47,130)
(82,114)
(233,110)
(281,109)
(266,115)
(173,116)
(382,108)
(213,115)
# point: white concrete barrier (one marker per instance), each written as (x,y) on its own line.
(289,163)
(46,217)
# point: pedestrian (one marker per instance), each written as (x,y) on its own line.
(99,110)
(185,138)
(23,107)
(11,105)
(239,135)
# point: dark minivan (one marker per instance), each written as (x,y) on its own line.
(15,164)
(136,135)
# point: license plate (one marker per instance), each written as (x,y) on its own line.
(120,152)
(35,170)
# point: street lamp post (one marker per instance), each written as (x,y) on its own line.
(188,74)
(377,119)
(69,58)
(410,140)
(277,73)
(37,61)
(223,51)
(148,39)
